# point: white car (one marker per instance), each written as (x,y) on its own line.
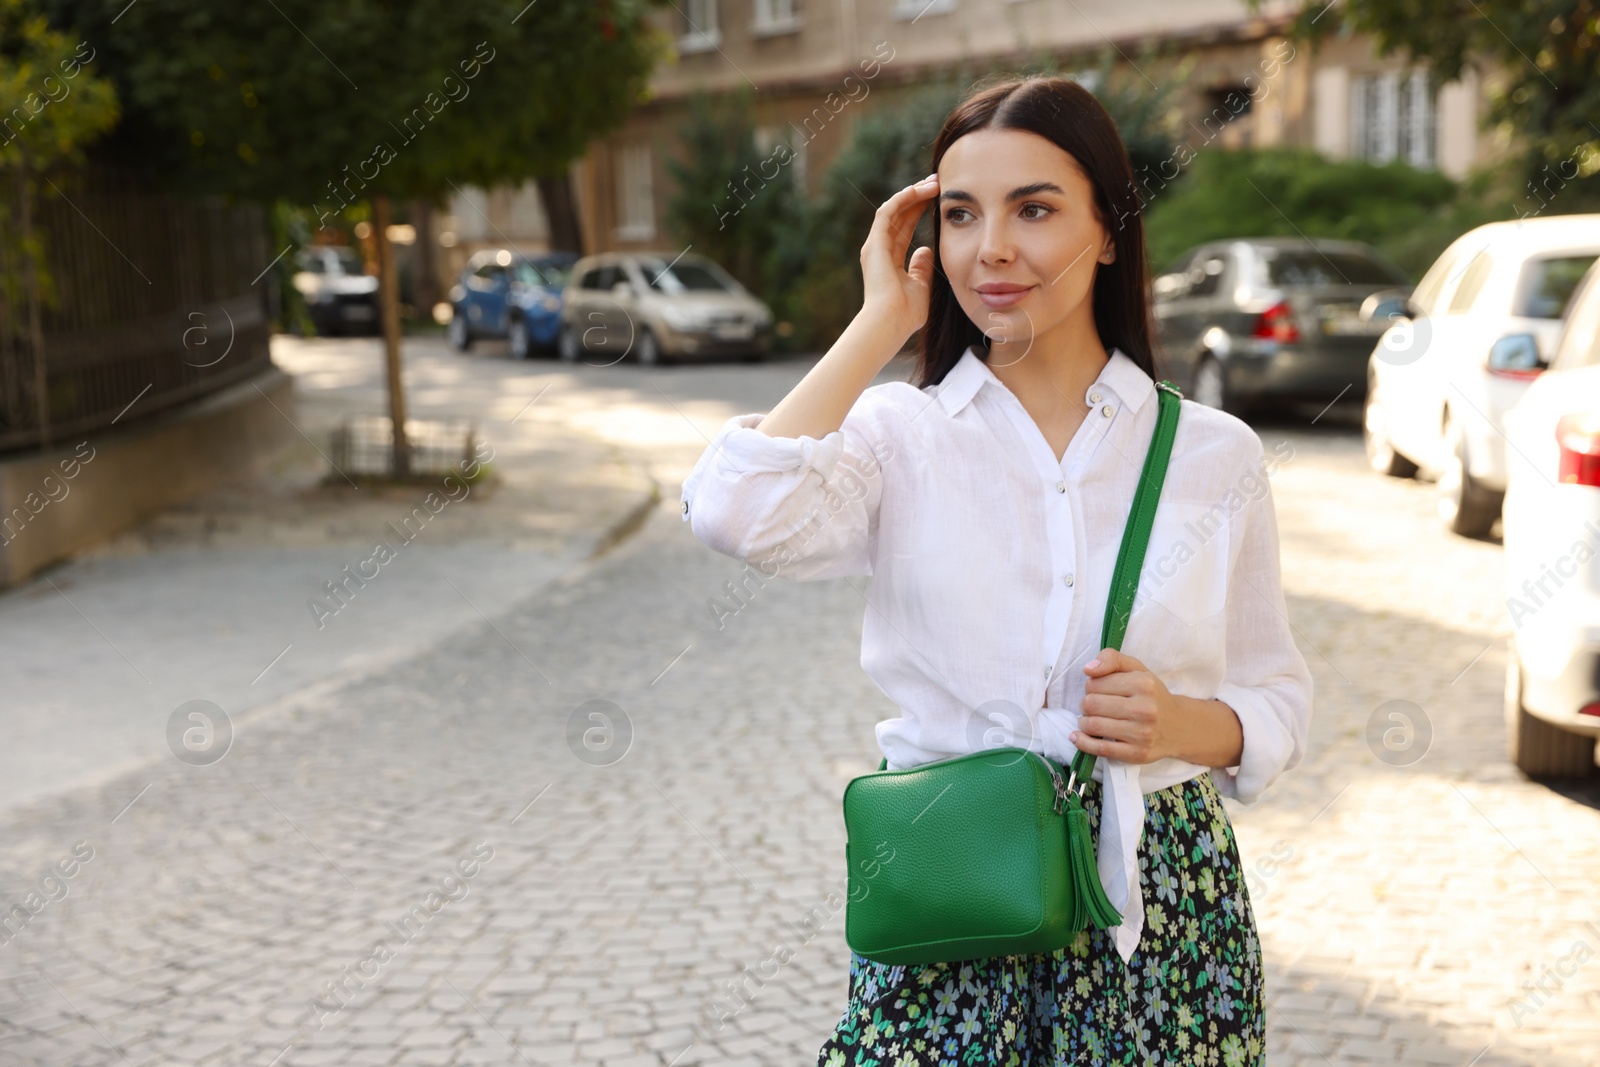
(341,297)
(1478,329)
(1552,552)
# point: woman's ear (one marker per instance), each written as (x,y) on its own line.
(1108,251)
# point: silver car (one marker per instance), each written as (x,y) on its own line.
(1258,322)
(658,306)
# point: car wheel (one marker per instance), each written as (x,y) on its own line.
(1465,506)
(1539,749)
(568,345)
(460,333)
(648,350)
(517,335)
(1211,387)
(1375,436)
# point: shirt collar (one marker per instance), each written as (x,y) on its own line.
(1120,376)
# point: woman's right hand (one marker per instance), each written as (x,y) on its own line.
(899,293)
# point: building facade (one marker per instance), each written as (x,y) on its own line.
(815,67)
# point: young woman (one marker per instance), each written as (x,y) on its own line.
(987,499)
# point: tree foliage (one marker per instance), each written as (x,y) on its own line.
(51,105)
(729,199)
(1539,59)
(324,103)
(1408,214)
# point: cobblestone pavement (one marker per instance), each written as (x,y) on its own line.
(419,868)
(201,597)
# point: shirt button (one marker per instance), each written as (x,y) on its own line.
(1106,411)
(1061,487)
(1068,579)
(686,507)
(1094,398)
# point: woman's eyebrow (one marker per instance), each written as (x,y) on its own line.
(1019,193)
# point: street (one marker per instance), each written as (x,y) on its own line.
(555,811)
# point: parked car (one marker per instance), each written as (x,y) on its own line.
(340,295)
(1552,552)
(1254,320)
(1477,330)
(658,306)
(506,294)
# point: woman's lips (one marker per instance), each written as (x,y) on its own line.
(1003,296)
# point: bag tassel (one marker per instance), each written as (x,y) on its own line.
(1092,902)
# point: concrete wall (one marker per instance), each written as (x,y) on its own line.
(57,503)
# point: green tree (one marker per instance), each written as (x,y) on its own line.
(51,107)
(1539,57)
(1408,214)
(329,105)
(729,199)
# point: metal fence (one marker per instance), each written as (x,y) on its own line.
(154,299)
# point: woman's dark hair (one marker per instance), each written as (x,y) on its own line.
(1067,115)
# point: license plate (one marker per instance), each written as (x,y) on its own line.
(359,312)
(1353,326)
(738,331)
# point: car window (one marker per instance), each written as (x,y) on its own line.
(1205,277)
(684,277)
(536,274)
(349,261)
(1311,267)
(1580,341)
(489,271)
(599,278)
(314,263)
(1472,280)
(1547,284)
(1173,283)
(553,274)
(1433,282)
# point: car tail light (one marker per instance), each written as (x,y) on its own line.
(1589,709)
(1578,434)
(1277,324)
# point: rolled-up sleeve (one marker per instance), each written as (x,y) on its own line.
(1267,682)
(799,508)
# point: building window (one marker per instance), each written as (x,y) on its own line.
(775,16)
(915,9)
(1392,116)
(636,207)
(700,29)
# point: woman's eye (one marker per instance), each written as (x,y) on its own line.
(956,214)
(1034,211)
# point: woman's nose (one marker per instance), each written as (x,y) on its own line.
(996,246)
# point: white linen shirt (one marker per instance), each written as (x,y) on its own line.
(991,565)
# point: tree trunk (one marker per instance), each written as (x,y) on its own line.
(425,258)
(561,211)
(389,313)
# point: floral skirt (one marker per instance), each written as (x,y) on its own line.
(1190,994)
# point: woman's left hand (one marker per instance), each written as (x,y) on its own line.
(1127,711)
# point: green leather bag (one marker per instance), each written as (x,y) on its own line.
(990,853)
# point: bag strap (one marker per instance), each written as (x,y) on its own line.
(1135,539)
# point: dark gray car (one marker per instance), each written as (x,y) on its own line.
(1249,321)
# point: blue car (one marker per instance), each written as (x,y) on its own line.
(507,294)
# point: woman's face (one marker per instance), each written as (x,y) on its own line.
(1018,236)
